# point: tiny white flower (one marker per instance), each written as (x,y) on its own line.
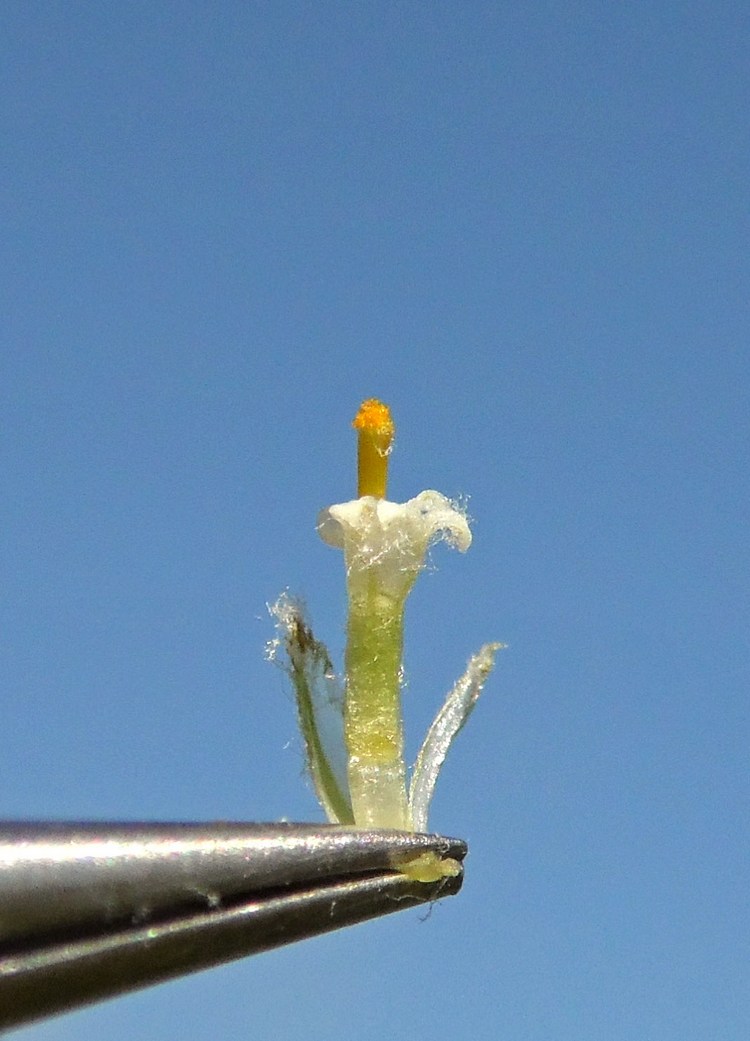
(384,545)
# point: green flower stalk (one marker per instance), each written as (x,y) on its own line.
(384,545)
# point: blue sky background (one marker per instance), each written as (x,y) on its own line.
(526,227)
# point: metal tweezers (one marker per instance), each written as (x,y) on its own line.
(89,911)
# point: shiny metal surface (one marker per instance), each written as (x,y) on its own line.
(88,911)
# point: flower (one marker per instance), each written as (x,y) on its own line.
(384,545)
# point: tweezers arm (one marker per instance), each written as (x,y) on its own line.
(53,980)
(90,910)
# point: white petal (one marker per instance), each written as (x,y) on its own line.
(388,541)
